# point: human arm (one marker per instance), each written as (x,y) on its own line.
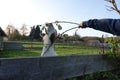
(107,25)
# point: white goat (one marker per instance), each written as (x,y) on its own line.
(48,40)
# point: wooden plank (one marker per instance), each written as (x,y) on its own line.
(52,68)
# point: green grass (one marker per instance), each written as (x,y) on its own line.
(107,75)
(61,49)
(19,53)
(76,50)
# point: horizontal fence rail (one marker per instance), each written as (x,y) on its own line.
(52,68)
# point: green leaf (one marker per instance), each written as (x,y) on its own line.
(59,26)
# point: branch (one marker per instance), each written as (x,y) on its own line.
(114,5)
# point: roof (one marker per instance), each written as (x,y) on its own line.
(2,33)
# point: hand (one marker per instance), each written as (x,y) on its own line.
(80,25)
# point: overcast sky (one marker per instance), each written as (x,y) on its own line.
(32,12)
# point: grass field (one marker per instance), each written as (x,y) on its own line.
(35,49)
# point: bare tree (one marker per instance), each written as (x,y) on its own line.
(24,29)
(10,30)
(114,6)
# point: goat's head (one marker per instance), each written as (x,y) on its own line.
(50,34)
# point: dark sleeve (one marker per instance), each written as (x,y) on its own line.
(107,25)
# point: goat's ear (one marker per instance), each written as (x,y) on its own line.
(47,24)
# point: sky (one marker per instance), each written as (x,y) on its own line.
(33,12)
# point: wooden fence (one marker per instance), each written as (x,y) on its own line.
(10,46)
(52,68)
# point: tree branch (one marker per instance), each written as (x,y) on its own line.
(114,5)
